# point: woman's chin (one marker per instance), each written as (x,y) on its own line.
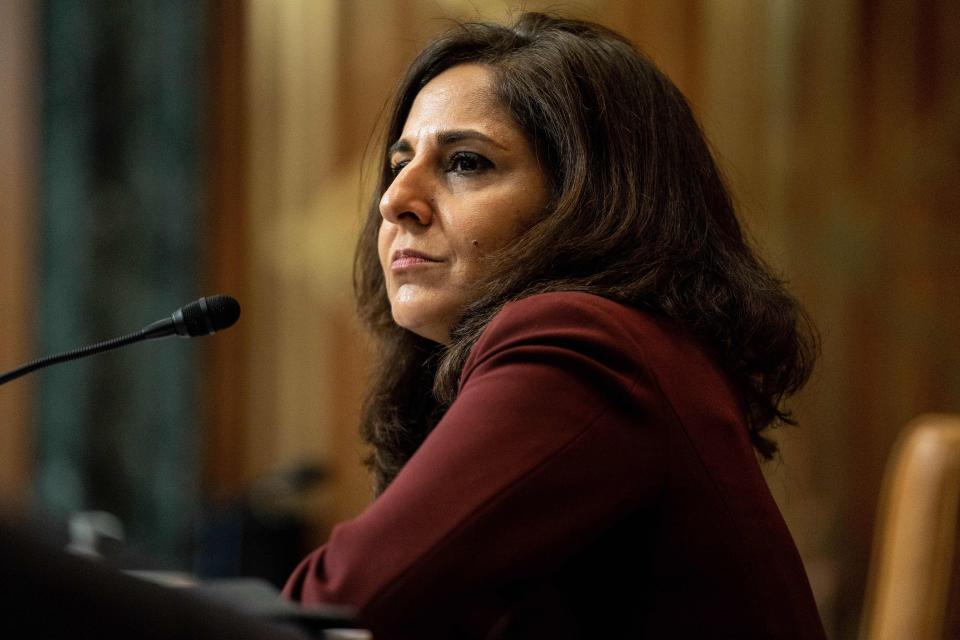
(424,327)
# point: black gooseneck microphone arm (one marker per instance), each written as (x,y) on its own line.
(199,318)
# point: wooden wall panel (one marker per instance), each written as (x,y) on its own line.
(225,258)
(19,99)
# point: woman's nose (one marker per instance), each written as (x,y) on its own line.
(407,198)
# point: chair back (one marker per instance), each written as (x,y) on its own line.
(913,570)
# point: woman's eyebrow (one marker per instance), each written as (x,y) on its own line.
(456,135)
(445,138)
(400,146)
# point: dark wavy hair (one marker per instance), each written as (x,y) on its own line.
(639,213)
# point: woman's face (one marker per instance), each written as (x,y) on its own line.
(466,181)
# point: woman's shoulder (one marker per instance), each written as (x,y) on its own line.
(584,318)
(555,327)
(620,336)
(573,300)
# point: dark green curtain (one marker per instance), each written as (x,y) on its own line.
(120,202)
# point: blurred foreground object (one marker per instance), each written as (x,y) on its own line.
(54,594)
(914,588)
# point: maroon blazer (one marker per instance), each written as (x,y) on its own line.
(594,476)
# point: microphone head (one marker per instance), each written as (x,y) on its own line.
(224,311)
(207,315)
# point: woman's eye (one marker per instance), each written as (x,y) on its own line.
(397,167)
(467,162)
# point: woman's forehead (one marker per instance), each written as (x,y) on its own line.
(459,99)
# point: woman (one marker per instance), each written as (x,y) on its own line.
(579,358)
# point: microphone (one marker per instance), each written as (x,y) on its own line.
(199,318)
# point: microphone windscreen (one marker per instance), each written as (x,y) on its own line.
(207,315)
(224,311)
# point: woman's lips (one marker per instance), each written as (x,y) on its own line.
(406,258)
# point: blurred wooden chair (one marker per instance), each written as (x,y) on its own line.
(913,591)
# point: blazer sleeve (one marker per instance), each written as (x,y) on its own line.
(550,442)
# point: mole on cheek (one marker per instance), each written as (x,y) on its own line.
(476,243)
